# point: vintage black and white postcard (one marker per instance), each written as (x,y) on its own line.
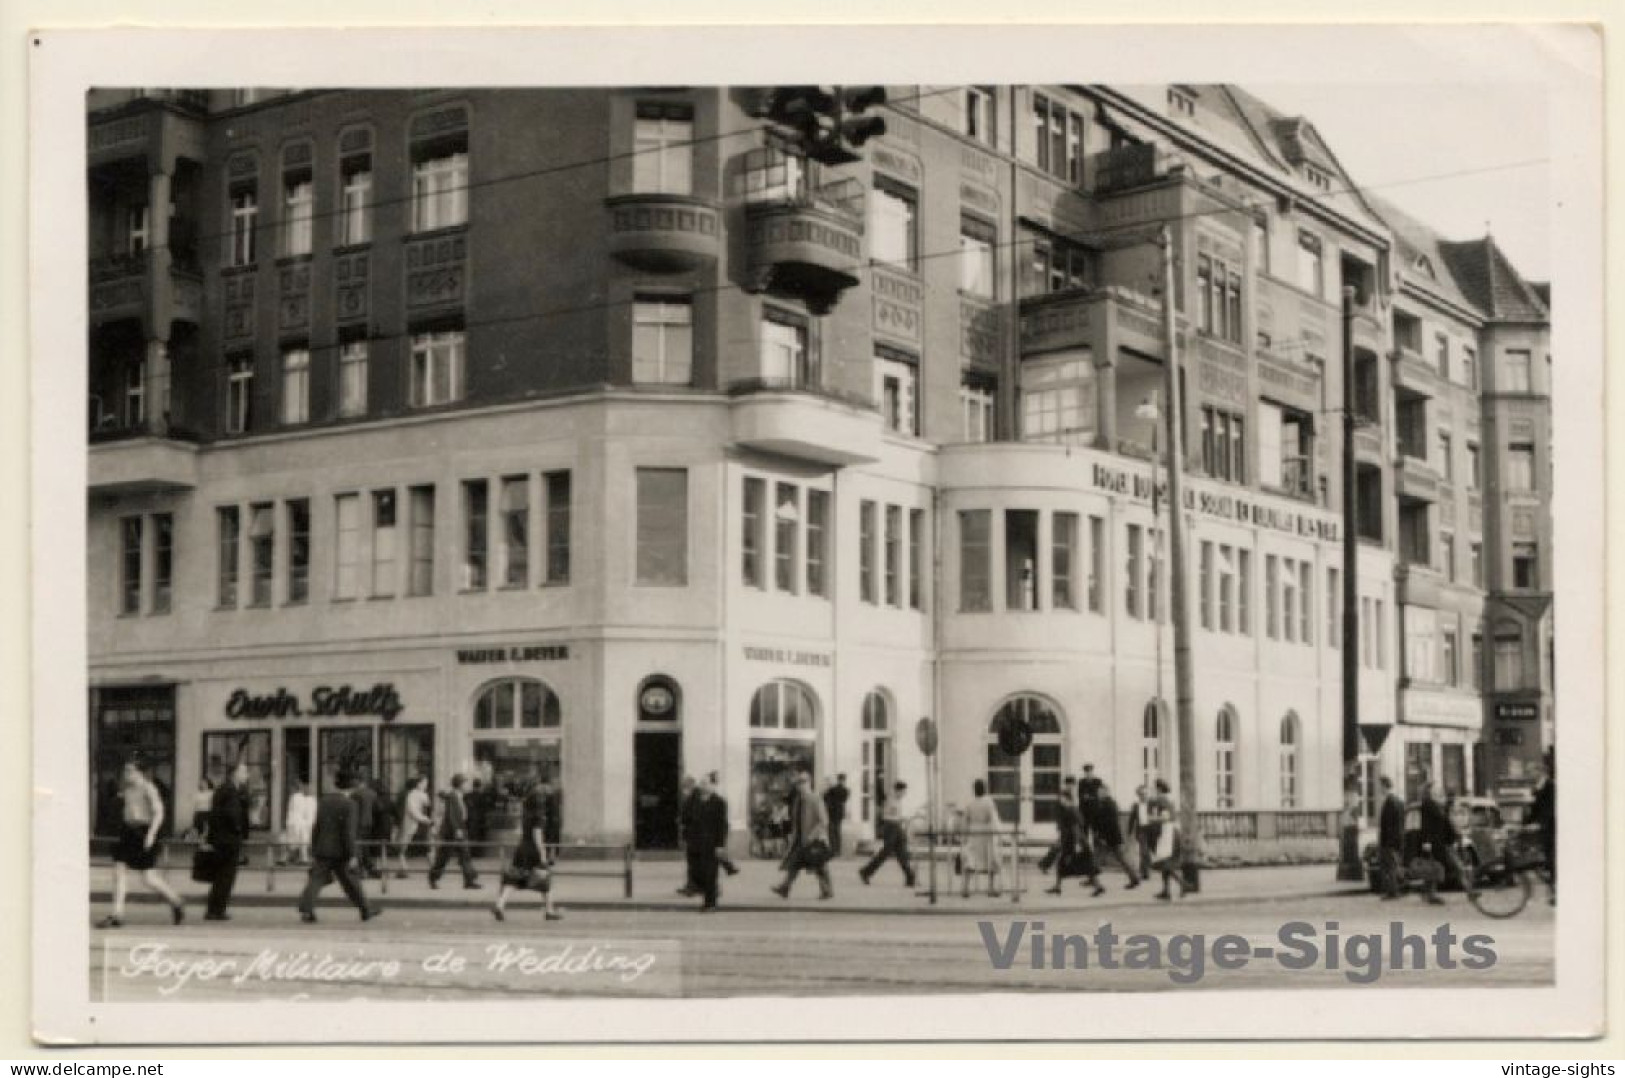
(589,536)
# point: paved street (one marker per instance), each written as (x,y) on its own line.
(894,944)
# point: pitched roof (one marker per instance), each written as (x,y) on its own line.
(1417,251)
(1488,277)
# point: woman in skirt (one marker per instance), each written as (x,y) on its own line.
(142,817)
(529,869)
(1162,836)
(980,852)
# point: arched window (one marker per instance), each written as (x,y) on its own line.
(784,705)
(1224,759)
(1290,736)
(518,727)
(877,758)
(1027,787)
(1152,723)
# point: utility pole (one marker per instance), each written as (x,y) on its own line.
(1348,859)
(1184,693)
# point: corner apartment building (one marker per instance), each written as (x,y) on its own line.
(457,431)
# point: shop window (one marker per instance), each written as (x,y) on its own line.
(137,722)
(342,748)
(1027,788)
(223,751)
(517,704)
(405,752)
(783,705)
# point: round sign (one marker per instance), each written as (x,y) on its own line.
(1015,735)
(925,736)
(657,700)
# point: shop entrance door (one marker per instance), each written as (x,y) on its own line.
(657,764)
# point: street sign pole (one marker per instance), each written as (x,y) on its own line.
(925,737)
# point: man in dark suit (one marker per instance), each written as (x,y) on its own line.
(1068,825)
(1441,835)
(228,831)
(1543,817)
(1108,831)
(688,801)
(835,798)
(366,804)
(454,838)
(706,836)
(334,842)
(1390,838)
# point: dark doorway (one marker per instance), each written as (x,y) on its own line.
(657,764)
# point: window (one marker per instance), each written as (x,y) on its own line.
(868,529)
(1411,417)
(135,393)
(1289,760)
(1261,244)
(976,241)
(1063,561)
(976,406)
(1227,589)
(916,558)
(1318,178)
(1058,265)
(1224,759)
(1133,573)
(1368,501)
(239,395)
(894,555)
(1475,558)
(137,232)
(514,526)
(1473,478)
(1224,445)
(298,549)
(440,192)
(295,386)
(352,379)
(1244,592)
(1311,265)
(1508,657)
(347,546)
(787,359)
(1447,464)
(979,114)
(355,200)
(228,529)
(1519,371)
(1205,585)
(1021,559)
(773,176)
(875,746)
(893,226)
(1036,772)
(1441,353)
(383,543)
(557,491)
(786,530)
(245,210)
(1181,103)
(896,382)
(1272,596)
(261,548)
(163,562)
(1334,608)
(662,526)
(1414,545)
(1059,139)
(1469,367)
(1155,608)
(1218,298)
(1097,563)
(1380,620)
(817,546)
(975,560)
(1289,600)
(1367,389)
(1521,467)
(784,705)
(1058,399)
(1447,555)
(1525,565)
(296,216)
(1286,448)
(663,340)
(1450,673)
(420,541)
(130,529)
(476,533)
(1151,727)
(517,704)
(1475,672)
(1305,601)
(751,522)
(663,151)
(437,368)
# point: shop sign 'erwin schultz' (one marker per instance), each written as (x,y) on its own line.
(380,700)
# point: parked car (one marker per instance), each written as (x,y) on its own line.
(1483,829)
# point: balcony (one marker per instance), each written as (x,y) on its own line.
(661,233)
(1416,584)
(1411,372)
(1130,166)
(157,125)
(130,460)
(437,271)
(808,244)
(119,289)
(793,419)
(1080,318)
(1415,478)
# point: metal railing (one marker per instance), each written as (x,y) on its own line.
(270,856)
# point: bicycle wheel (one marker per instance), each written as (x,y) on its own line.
(1502,893)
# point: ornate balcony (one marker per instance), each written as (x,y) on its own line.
(661,233)
(121,288)
(805,422)
(437,271)
(811,247)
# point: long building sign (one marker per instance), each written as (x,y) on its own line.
(324,701)
(1220,505)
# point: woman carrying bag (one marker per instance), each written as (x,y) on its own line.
(530,868)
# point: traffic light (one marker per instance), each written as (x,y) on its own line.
(828,124)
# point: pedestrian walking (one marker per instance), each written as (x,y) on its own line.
(297,825)
(335,844)
(1069,789)
(417,822)
(1068,828)
(1108,834)
(1543,817)
(724,860)
(384,824)
(835,798)
(366,803)
(893,838)
(1136,832)
(809,839)
(1164,839)
(1390,838)
(707,841)
(531,868)
(227,833)
(980,852)
(142,821)
(202,802)
(1440,835)
(688,802)
(454,837)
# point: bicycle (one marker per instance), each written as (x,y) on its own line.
(1502,887)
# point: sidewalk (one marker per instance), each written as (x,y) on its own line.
(655,884)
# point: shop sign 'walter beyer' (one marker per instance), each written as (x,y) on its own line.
(325,700)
